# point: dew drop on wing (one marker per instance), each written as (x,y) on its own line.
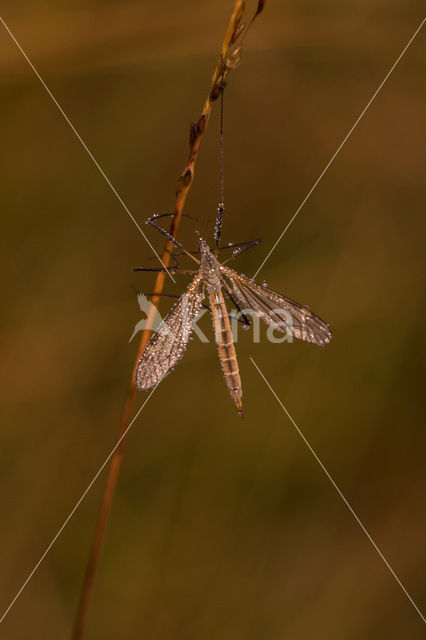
(264,284)
(245,327)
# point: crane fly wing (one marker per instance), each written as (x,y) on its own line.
(167,345)
(283,314)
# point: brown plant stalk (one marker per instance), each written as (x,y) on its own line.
(227,61)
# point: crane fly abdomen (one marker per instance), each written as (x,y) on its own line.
(225,344)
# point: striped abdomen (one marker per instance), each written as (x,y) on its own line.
(225,345)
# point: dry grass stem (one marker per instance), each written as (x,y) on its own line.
(227,61)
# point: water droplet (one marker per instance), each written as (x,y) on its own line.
(229,244)
(245,327)
(264,283)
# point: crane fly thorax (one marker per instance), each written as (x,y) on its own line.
(209,267)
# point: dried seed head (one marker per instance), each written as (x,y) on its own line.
(237,32)
(217,90)
(240,14)
(184,180)
(201,125)
(192,134)
(234,58)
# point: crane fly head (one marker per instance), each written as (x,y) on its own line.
(204,247)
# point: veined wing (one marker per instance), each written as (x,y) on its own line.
(276,310)
(167,345)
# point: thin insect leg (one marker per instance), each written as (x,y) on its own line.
(173,256)
(138,292)
(218,225)
(172,215)
(181,253)
(221,205)
(168,235)
(162,295)
(161,270)
(165,233)
(231,245)
(243,246)
(245,320)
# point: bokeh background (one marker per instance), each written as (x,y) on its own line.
(221,527)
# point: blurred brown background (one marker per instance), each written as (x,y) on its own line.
(221,528)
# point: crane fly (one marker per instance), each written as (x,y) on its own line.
(168,344)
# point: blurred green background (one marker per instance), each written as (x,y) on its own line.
(222,528)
